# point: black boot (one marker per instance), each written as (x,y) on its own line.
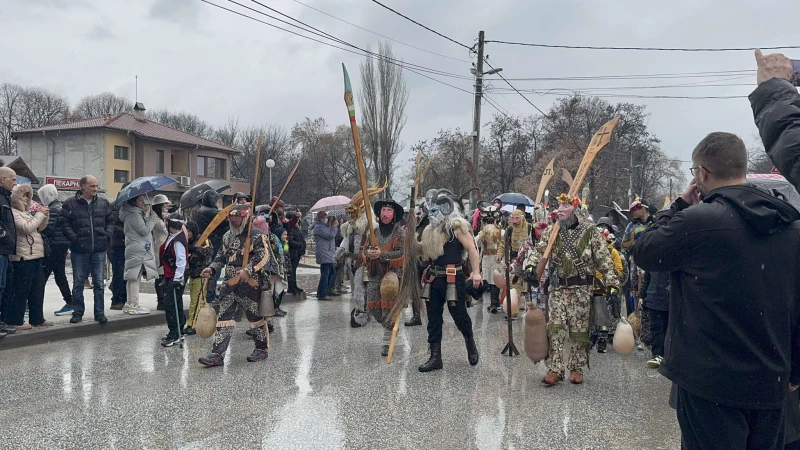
(494,294)
(472,351)
(435,361)
(415,319)
(602,345)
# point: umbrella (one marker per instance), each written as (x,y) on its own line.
(511,208)
(143,185)
(329,203)
(193,195)
(512,198)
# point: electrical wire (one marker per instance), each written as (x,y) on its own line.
(323,34)
(381,35)
(423,26)
(404,67)
(701,84)
(651,49)
(633,77)
(518,92)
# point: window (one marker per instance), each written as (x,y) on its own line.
(179,162)
(159,161)
(211,167)
(120,176)
(120,152)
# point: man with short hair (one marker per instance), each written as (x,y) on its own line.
(87,223)
(8,237)
(734,328)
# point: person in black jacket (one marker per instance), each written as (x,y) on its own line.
(87,223)
(119,292)
(8,238)
(776,108)
(654,297)
(208,210)
(56,262)
(297,248)
(732,344)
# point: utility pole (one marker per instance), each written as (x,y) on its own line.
(630,182)
(476,125)
(670,189)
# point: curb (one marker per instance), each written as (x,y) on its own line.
(59,333)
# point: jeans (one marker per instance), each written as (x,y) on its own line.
(118,284)
(658,330)
(3,274)
(82,265)
(294,260)
(26,288)
(173,306)
(326,280)
(56,264)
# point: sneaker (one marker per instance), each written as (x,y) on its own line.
(7,329)
(324,299)
(188,331)
(213,360)
(135,310)
(66,310)
(169,341)
(75,319)
(655,363)
(101,319)
(257,355)
(169,336)
(280,313)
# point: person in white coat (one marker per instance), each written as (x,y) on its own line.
(140,254)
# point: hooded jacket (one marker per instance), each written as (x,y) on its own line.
(733,335)
(297,243)
(324,239)
(87,226)
(208,210)
(140,252)
(48,194)
(29,226)
(776,108)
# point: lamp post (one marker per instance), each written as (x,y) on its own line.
(270,164)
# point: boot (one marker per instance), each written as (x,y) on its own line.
(576,377)
(552,378)
(494,305)
(472,351)
(435,361)
(385,350)
(602,345)
(415,319)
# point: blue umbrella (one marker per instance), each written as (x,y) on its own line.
(513,198)
(143,185)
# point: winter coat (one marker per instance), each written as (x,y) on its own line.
(655,291)
(87,226)
(160,236)
(8,229)
(734,295)
(208,210)
(324,239)
(776,108)
(48,194)
(297,243)
(140,253)
(118,238)
(29,239)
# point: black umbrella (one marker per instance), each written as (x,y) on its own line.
(193,195)
(513,198)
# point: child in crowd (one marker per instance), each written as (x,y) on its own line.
(173,256)
(200,256)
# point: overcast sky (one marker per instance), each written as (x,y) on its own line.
(194,57)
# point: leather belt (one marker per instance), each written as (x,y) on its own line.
(574,281)
(441,271)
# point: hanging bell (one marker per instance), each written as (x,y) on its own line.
(425,294)
(450,294)
(366,274)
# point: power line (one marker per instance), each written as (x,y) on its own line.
(651,49)
(334,46)
(423,26)
(634,77)
(323,34)
(701,84)
(685,97)
(381,35)
(518,92)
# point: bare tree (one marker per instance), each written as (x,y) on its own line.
(447,152)
(100,105)
(511,145)
(183,121)
(757,159)
(384,95)
(22,108)
(10,107)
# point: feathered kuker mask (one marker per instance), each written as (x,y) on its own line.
(356,206)
(565,199)
(239,211)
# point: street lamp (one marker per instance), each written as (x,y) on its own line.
(270,164)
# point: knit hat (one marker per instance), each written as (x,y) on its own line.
(278,231)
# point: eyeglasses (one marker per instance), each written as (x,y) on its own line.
(692,170)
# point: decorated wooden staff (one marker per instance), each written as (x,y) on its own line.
(362,169)
(599,141)
(548,173)
(247,244)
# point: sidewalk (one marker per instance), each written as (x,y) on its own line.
(117,320)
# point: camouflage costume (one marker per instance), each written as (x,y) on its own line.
(229,260)
(578,252)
